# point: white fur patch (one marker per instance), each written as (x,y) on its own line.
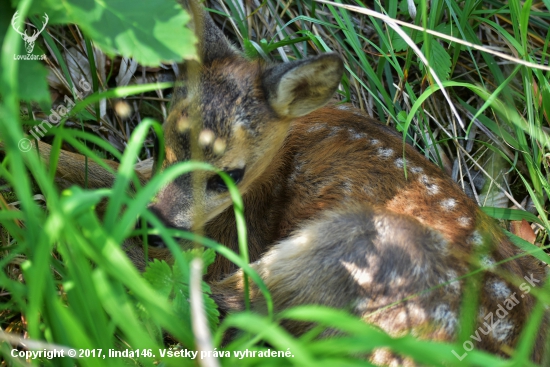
(354,135)
(487,261)
(502,329)
(464,221)
(417,169)
(499,289)
(348,186)
(448,204)
(400,162)
(476,238)
(316,127)
(363,276)
(395,280)
(453,285)
(431,187)
(385,152)
(419,270)
(412,313)
(443,315)
(334,131)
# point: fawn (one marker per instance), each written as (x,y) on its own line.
(338,212)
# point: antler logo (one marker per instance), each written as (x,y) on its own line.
(29,40)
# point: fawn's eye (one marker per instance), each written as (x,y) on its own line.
(216,183)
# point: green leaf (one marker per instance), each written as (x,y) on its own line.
(399,44)
(439,60)
(32,84)
(510,214)
(173,283)
(208,257)
(528,247)
(149,31)
(159,274)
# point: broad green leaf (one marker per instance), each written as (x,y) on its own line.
(149,31)
(399,43)
(159,274)
(32,84)
(510,214)
(439,59)
(528,247)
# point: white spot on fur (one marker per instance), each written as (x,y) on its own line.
(482,313)
(354,135)
(363,276)
(362,304)
(412,314)
(453,285)
(431,187)
(348,186)
(385,152)
(502,329)
(396,280)
(400,162)
(417,169)
(419,270)
(343,107)
(316,127)
(374,141)
(487,261)
(383,357)
(206,138)
(499,289)
(448,204)
(464,221)
(476,238)
(293,247)
(334,131)
(446,317)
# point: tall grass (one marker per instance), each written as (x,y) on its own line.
(66,281)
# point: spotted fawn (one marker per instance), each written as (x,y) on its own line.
(339,212)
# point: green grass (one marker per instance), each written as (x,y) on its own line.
(67,282)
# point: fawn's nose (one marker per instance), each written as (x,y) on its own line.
(155,240)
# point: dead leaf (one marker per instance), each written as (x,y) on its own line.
(523,230)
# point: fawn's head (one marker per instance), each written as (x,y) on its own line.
(234,114)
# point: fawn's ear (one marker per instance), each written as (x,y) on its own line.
(212,43)
(297,88)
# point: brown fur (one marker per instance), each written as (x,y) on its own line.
(338,211)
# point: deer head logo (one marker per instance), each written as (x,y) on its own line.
(29,40)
